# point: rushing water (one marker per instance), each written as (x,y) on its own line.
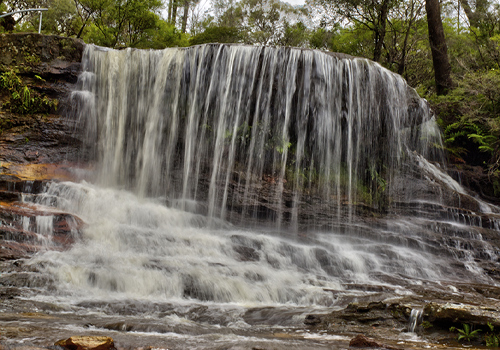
(236,177)
(211,123)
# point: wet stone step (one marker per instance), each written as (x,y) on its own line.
(13,184)
(11,250)
(26,228)
(10,196)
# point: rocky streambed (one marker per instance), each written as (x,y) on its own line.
(397,313)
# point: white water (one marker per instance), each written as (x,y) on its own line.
(415,318)
(138,248)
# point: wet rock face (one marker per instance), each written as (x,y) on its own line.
(37,139)
(459,313)
(478,180)
(26,228)
(381,315)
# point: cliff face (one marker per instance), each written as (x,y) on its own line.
(44,69)
(37,72)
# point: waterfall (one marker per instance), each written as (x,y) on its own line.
(249,132)
(416,316)
(238,174)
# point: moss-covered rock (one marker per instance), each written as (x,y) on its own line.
(37,73)
(44,55)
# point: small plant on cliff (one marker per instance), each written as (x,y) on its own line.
(10,80)
(492,339)
(466,333)
(24,100)
(426,325)
(31,60)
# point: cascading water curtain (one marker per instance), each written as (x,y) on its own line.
(249,132)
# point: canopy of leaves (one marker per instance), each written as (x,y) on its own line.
(265,22)
(215,34)
(111,23)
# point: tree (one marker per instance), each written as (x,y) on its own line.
(85,10)
(475,13)
(216,34)
(264,22)
(185,16)
(62,18)
(437,41)
(403,34)
(371,14)
(295,35)
(162,35)
(321,39)
(172,11)
(121,23)
(355,39)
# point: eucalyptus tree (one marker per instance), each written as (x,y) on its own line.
(404,34)
(439,49)
(62,18)
(120,23)
(370,14)
(85,10)
(476,11)
(484,30)
(264,22)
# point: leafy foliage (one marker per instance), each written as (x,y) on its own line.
(492,339)
(111,23)
(24,100)
(217,35)
(470,117)
(466,333)
(265,22)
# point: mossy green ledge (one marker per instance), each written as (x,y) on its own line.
(49,56)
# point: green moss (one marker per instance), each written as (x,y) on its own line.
(31,60)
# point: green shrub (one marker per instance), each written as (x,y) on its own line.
(22,99)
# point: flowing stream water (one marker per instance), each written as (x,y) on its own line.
(235,189)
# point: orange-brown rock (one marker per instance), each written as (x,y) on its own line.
(360,341)
(10,250)
(87,343)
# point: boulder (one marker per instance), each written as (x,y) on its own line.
(360,341)
(312,320)
(87,343)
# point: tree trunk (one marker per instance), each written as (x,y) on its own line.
(170,6)
(475,17)
(437,41)
(380,30)
(185,16)
(174,12)
(413,14)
